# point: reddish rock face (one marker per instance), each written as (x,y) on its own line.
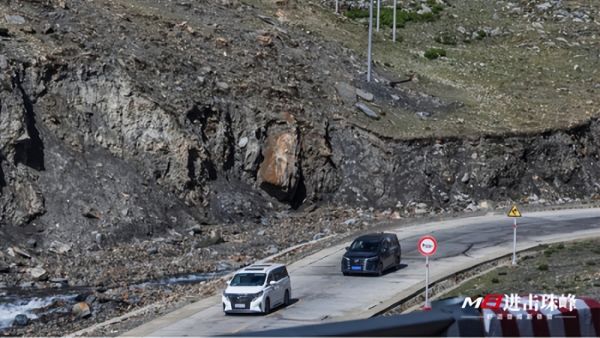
(279,171)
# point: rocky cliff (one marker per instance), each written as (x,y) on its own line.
(128,118)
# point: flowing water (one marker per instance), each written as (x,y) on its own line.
(36,302)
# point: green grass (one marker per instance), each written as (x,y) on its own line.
(570,273)
(434,53)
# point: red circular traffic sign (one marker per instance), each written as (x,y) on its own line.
(427,245)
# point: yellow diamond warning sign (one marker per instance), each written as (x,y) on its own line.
(514,212)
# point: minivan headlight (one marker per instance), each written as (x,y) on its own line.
(257,295)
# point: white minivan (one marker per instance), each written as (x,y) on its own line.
(257,288)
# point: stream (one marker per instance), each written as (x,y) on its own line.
(34,303)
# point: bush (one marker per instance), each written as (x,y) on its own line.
(402,16)
(543,267)
(356,13)
(495,280)
(560,246)
(434,53)
(590,263)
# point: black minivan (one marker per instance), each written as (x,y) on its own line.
(372,254)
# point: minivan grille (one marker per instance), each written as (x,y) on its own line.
(240,298)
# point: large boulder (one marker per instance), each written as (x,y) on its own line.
(279,172)
(21,320)
(81,310)
(38,273)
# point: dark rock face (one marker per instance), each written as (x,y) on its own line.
(199,125)
(555,165)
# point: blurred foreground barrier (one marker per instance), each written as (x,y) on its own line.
(581,321)
(449,317)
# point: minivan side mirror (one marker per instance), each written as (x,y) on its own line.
(347,248)
(228,282)
(272,282)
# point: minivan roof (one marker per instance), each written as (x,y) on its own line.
(379,235)
(261,267)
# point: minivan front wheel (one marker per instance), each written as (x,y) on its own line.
(267,306)
(286,298)
(380,269)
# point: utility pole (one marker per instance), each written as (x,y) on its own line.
(394,24)
(370,40)
(378,13)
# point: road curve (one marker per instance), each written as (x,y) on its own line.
(323,294)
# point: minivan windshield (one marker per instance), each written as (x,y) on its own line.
(248,279)
(365,245)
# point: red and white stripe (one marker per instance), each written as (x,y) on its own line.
(583,321)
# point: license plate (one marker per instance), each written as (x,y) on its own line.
(239,306)
(356,267)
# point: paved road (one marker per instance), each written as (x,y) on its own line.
(324,294)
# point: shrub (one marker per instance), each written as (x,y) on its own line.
(543,267)
(495,280)
(356,13)
(434,53)
(402,16)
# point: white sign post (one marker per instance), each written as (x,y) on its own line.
(337,6)
(394,24)
(370,40)
(427,246)
(378,13)
(514,213)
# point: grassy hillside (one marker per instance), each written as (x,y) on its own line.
(510,67)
